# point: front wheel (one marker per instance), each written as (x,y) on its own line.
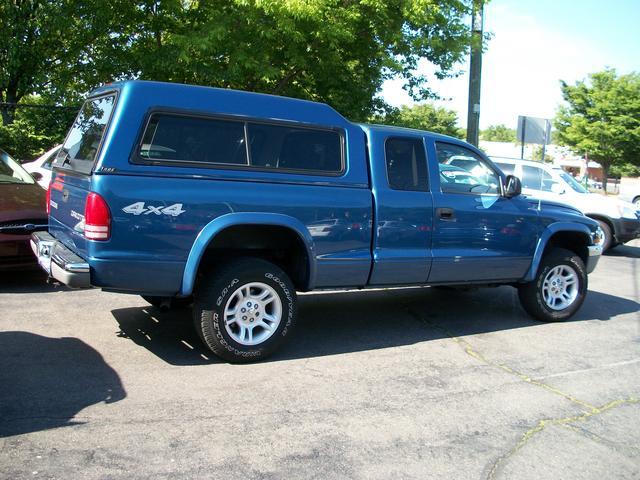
(559,288)
(244,310)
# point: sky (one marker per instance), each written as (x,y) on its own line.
(535,44)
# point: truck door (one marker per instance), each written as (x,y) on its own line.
(479,235)
(403,209)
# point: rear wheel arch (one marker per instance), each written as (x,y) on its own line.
(279,239)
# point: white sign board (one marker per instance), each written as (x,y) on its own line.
(534,130)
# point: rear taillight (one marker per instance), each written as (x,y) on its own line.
(48,206)
(97,218)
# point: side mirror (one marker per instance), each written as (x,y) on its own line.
(513,186)
(37,176)
(557,188)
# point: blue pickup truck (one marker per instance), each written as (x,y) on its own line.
(234,201)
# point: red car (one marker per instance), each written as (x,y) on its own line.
(22,211)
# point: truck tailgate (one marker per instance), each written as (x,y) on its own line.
(68,195)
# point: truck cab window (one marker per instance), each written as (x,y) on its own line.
(406,164)
(463,171)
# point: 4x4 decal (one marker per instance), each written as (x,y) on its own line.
(139,208)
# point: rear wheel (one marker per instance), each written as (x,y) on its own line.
(559,288)
(245,310)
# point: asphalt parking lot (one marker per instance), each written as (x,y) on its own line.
(407,383)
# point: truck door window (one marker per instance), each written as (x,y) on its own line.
(463,171)
(406,164)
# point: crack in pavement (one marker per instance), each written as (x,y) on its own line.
(471,351)
(632,449)
(590,410)
(542,424)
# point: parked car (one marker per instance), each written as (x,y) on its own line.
(40,169)
(457,176)
(176,192)
(619,220)
(22,211)
(632,195)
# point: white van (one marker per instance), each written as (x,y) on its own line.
(619,220)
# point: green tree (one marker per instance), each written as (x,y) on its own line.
(498,133)
(423,117)
(47,46)
(335,51)
(36,127)
(601,118)
(536,154)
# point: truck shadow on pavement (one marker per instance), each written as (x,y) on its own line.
(45,382)
(168,335)
(343,322)
(630,251)
(29,281)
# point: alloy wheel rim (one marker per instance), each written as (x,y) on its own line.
(560,287)
(252,313)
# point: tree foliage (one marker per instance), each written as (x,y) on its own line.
(51,46)
(336,51)
(601,118)
(423,117)
(498,133)
(36,128)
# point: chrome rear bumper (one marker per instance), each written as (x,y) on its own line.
(59,262)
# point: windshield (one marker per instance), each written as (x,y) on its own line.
(83,141)
(573,183)
(12,172)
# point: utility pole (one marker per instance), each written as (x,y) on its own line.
(475,72)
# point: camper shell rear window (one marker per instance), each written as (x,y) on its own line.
(81,147)
(202,141)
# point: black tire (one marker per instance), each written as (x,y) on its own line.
(220,286)
(531,294)
(608,235)
(166,304)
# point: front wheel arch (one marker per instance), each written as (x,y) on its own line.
(570,236)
